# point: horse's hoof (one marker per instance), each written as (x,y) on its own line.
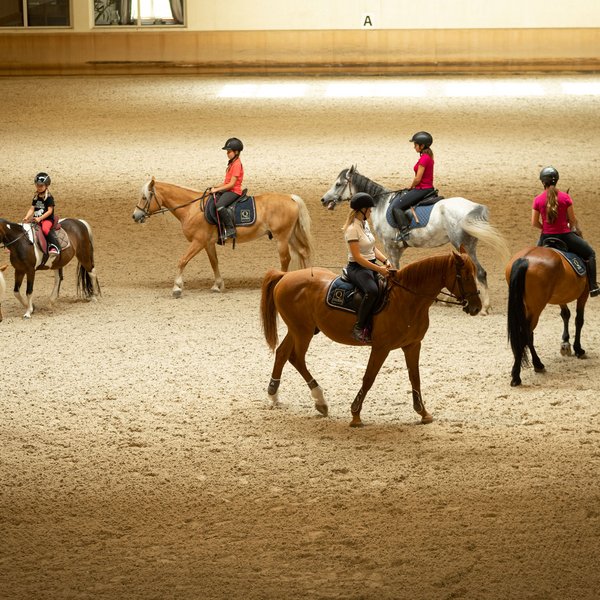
(322,409)
(177,294)
(27,316)
(541,369)
(426,419)
(216,288)
(580,354)
(515,382)
(565,350)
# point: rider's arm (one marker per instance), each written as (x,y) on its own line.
(572,219)
(381,258)
(535,219)
(418,177)
(28,215)
(362,261)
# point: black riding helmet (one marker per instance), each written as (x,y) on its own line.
(42,179)
(361,200)
(233,144)
(423,138)
(549,176)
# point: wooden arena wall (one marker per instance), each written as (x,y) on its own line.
(380,51)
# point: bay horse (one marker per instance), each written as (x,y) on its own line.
(25,258)
(299,297)
(538,276)
(458,221)
(283,216)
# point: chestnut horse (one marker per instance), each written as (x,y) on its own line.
(284,216)
(538,276)
(299,297)
(25,258)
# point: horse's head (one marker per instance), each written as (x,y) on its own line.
(463,285)
(340,190)
(148,203)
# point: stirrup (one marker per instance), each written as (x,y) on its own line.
(595,292)
(402,234)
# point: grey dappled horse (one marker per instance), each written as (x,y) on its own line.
(457,221)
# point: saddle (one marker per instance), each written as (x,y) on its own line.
(242,211)
(574,260)
(417,215)
(344,295)
(38,239)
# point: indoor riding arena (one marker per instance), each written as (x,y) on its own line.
(141,458)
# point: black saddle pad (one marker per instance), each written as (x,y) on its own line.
(244,211)
(344,295)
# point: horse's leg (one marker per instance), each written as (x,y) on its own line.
(281,356)
(376,359)
(58,277)
(218,285)
(294,350)
(27,303)
(394,252)
(579,312)
(192,250)
(565,347)
(411,356)
(538,365)
(470,245)
(283,248)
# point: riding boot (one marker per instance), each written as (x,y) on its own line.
(402,221)
(361,330)
(591,273)
(227,224)
(52,241)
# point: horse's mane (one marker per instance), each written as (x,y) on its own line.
(423,270)
(181,187)
(368,185)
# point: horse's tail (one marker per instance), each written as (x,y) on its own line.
(301,242)
(86,286)
(268,311)
(477,225)
(519,329)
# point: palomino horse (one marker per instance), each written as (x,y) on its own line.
(25,258)
(284,216)
(455,220)
(538,276)
(299,297)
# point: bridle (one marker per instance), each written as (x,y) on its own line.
(462,299)
(145,209)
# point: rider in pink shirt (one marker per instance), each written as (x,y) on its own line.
(553,213)
(422,183)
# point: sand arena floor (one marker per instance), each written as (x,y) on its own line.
(139,459)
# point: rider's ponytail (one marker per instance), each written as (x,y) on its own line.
(427,151)
(551,203)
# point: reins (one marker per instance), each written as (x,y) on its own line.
(163,209)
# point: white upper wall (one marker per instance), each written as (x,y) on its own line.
(391,14)
(265,15)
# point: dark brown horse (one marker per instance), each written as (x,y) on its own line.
(27,258)
(538,276)
(299,297)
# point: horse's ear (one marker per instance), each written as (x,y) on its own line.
(152,182)
(4,267)
(462,249)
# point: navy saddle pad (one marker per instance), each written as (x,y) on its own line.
(346,296)
(574,260)
(422,209)
(244,207)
